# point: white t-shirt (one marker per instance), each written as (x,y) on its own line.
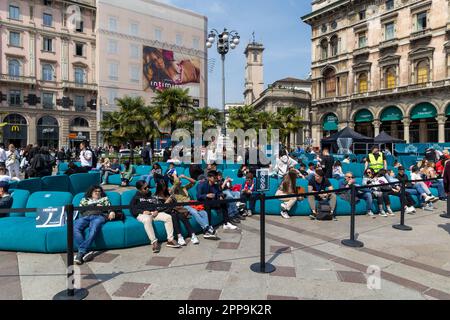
(2,155)
(86,158)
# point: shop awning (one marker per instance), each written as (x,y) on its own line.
(447,112)
(391,114)
(364,116)
(330,123)
(423,111)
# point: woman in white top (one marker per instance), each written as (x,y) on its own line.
(12,162)
(337,171)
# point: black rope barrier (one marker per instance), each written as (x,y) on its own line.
(446,214)
(402,226)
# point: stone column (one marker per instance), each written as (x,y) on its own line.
(316,135)
(351,125)
(376,126)
(406,124)
(441,119)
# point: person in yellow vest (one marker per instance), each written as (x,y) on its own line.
(376,160)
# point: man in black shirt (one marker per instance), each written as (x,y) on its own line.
(6,199)
(317,184)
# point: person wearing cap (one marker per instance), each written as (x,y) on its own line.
(6,199)
(376,160)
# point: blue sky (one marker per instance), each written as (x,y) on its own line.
(276,24)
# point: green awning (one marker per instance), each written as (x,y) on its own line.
(447,112)
(364,116)
(330,123)
(423,111)
(392,114)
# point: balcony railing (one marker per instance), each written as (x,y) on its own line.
(420,34)
(17,79)
(359,51)
(79,85)
(388,43)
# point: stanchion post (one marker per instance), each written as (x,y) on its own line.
(352,242)
(402,225)
(446,215)
(70,293)
(262,266)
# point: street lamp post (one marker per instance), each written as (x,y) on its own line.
(225,41)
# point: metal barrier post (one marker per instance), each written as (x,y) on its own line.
(352,242)
(446,215)
(402,225)
(262,266)
(70,293)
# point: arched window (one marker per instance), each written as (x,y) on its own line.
(324,49)
(47,72)
(14,68)
(79,122)
(47,121)
(390,78)
(330,82)
(423,71)
(363,83)
(15,119)
(334,46)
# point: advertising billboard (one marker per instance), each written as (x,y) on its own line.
(166,69)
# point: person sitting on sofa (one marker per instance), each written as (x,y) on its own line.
(94,219)
(144,207)
(110,168)
(127,174)
(74,169)
(6,200)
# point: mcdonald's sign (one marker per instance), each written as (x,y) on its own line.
(15,129)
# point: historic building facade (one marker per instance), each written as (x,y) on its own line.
(381,65)
(48,83)
(288,92)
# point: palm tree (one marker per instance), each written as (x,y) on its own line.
(131,124)
(210,118)
(172,108)
(290,122)
(244,118)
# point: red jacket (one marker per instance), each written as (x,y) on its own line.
(440,167)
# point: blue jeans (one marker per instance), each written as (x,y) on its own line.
(439,184)
(200,216)
(416,192)
(95,224)
(366,196)
(232,206)
(147,178)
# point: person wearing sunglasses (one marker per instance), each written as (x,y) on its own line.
(361,194)
(144,207)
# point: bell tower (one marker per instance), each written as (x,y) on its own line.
(254,71)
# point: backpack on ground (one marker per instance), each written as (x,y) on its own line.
(324,211)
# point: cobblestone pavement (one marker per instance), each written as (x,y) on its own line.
(311,263)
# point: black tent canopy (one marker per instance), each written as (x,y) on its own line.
(347,133)
(384,138)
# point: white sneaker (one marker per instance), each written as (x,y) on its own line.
(409,210)
(413,209)
(194,239)
(431,199)
(249,213)
(181,241)
(285,215)
(383,213)
(229,226)
(428,207)
(371,214)
(390,212)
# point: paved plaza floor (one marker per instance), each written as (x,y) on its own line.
(310,260)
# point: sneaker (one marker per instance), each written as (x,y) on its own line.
(431,199)
(88,256)
(156,247)
(390,212)
(428,207)
(409,210)
(383,213)
(78,259)
(211,230)
(210,236)
(181,241)
(285,214)
(249,213)
(229,226)
(370,213)
(334,217)
(173,244)
(312,216)
(194,239)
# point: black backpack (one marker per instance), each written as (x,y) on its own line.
(324,211)
(94,158)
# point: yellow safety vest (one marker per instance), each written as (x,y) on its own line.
(376,164)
